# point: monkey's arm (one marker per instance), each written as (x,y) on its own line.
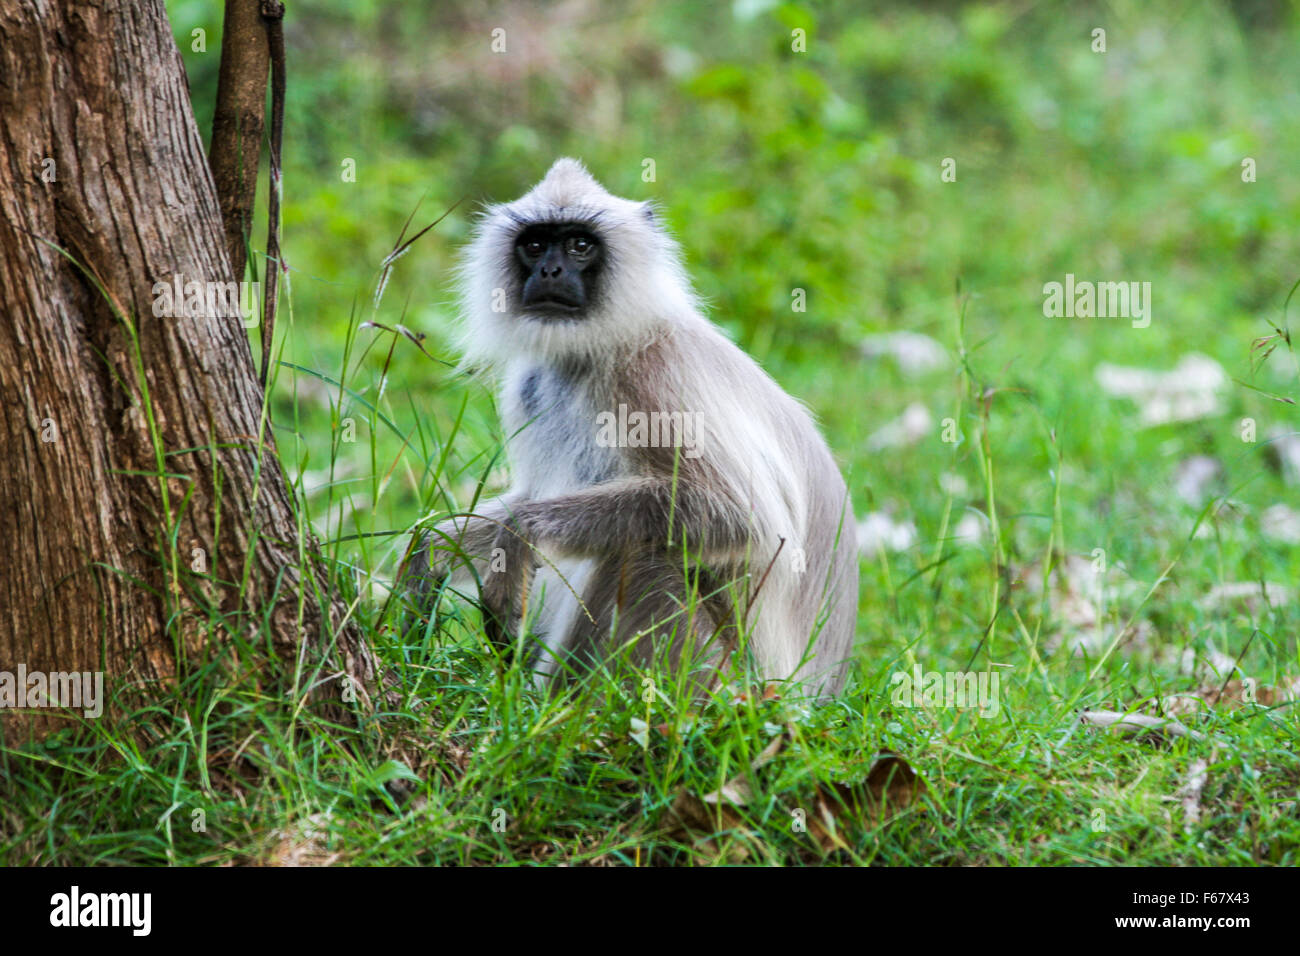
(635,513)
(621,515)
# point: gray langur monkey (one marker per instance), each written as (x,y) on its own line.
(667,495)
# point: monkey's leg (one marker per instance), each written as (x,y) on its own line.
(647,606)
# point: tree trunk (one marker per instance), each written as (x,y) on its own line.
(107,566)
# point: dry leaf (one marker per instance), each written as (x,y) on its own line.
(303,843)
(878,530)
(699,817)
(1284,451)
(906,430)
(971,530)
(1194,477)
(1281,523)
(1082,596)
(697,821)
(1190,794)
(1232,694)
(1136,724)
(771,690)
(1179,705)
(915,353)
(1187,392)
(639,732)
(1253,594)
(890,786)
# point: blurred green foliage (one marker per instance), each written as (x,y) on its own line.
(780,170)
(820,170)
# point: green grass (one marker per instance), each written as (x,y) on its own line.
(779,171)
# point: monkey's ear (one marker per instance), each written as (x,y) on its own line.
(650,210)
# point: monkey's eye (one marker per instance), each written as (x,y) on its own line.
(580,246)
(533,249)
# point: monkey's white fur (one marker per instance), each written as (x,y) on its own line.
(760,448)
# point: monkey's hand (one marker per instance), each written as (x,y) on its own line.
(464,539)
(506,582)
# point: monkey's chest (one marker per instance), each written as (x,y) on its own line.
(553,434)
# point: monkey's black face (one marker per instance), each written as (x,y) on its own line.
(558,265)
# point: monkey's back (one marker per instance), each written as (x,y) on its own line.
(760,449)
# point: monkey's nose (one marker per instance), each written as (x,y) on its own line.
(551,273)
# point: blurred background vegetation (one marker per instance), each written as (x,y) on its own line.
(1154,469)
(821,170)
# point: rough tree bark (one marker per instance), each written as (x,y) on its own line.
(100,157)
(238,120)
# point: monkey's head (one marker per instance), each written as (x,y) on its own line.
(569,270)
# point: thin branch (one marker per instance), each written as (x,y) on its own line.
(273,15)
(237,123)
